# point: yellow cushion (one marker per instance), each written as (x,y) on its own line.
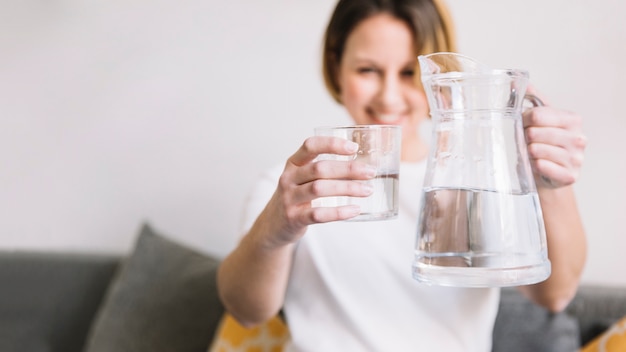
(612,340)
(268,337)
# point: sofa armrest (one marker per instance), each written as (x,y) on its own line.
(596,308)
(48,300)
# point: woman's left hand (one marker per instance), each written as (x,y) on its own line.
(555,144)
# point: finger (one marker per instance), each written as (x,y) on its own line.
(552,153)
(554,166)
(552,175)
(328,214)
(574,142)
(332,169)
(329,188)
(314,146)
(546,116)
(570,156)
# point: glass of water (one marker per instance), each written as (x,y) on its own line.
(379,146)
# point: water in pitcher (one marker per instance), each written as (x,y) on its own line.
(479,233)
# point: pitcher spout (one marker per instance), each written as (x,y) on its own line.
(444,62)
(454,82)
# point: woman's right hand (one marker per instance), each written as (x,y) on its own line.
(252,279)
(290,212)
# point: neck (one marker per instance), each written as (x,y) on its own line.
(414,150)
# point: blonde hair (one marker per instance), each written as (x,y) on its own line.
(430,21)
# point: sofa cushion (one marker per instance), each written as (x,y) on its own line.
(163,299)
(612,340)
(273,335)
(597,308)
(524,326)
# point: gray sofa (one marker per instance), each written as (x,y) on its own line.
(162,297)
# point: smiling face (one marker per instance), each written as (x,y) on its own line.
(376,79)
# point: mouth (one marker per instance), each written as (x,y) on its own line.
(386,119)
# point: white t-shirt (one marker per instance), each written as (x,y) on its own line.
(351,287)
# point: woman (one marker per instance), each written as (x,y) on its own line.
(346,286)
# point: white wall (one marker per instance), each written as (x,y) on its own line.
(117,112)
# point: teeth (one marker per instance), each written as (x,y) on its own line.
(387,118)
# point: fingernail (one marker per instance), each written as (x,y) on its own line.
(351,211)
(352,147)
(370,171)
(367,188)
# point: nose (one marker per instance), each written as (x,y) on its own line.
(390,93)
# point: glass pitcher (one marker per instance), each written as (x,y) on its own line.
(480,222)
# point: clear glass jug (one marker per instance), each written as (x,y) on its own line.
(480,223)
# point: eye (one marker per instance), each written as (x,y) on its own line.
(367,69)
(409,72)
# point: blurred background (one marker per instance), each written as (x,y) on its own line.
(114,113)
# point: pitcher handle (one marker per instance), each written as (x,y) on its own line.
(533,99)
